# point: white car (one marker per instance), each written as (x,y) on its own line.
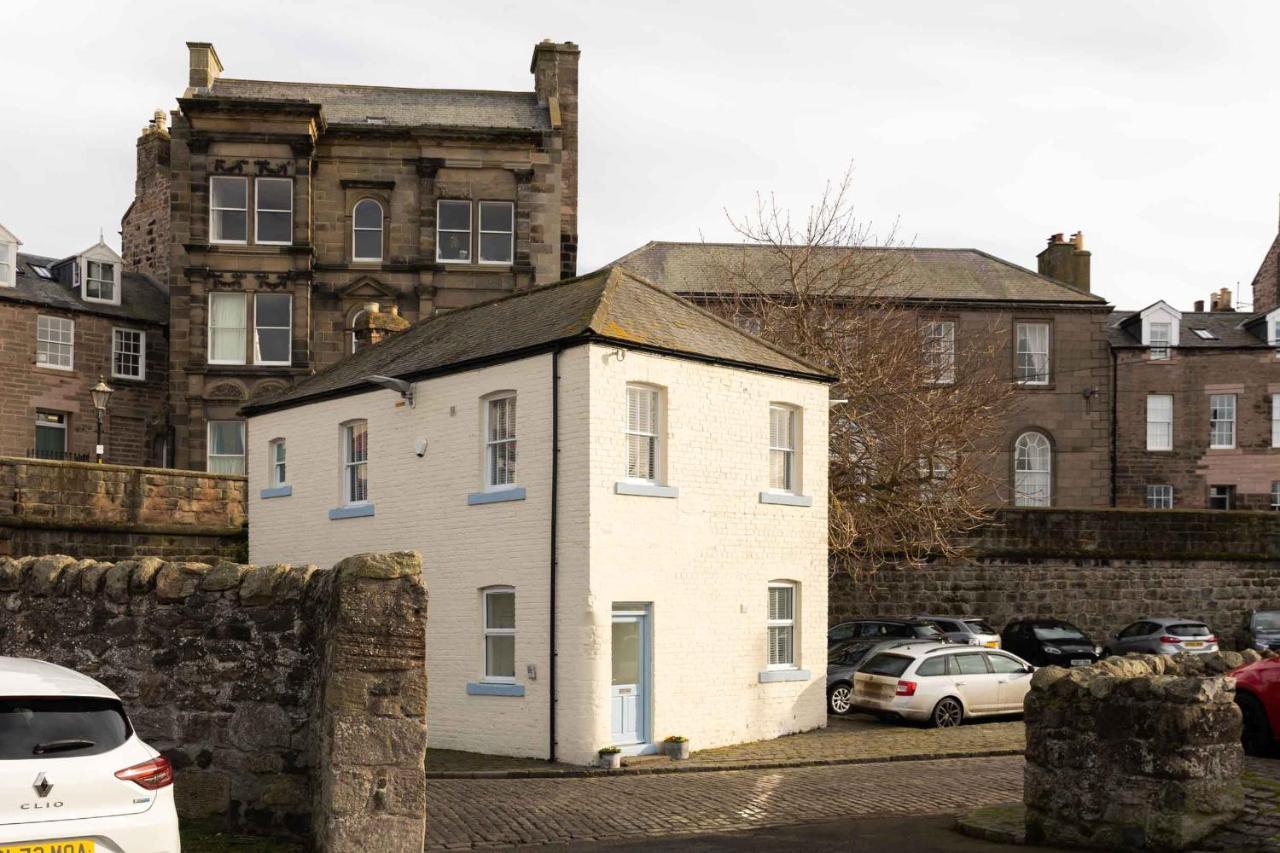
(941,684)
(74,777)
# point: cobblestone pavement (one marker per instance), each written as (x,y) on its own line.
(467,813)
(1259,827)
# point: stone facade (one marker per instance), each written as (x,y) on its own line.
(289,699)
(1134,753)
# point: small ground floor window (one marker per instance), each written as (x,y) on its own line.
(1160,497)
(51,435)
(1222,497)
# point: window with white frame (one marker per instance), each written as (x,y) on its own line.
(643,418)
(1032,470)
(1275,420)
(497,232)
(782,448)
(276,456)
(366,231)
(272,328)
(500,634)
(128,354)
(453,231)
(1159,422)
(228,209)
(1222,420)
(1161,334)
(1032,367)
(355,339)
(500,441)
(355,462)
(228,328)
(100,281)
(781,625)
(8,265)
(940,351)
(273,211)
(55,342)
(1160,497)
(226,447)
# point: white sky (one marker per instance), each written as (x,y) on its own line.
(1152,126)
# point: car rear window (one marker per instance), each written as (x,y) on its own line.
(1058,632)
(928,630)
(980,626)
(1189,629)
(1266,620)
(886,664)
(60,728)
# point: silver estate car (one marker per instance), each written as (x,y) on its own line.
(969,630)
(1165,636)
(940,684)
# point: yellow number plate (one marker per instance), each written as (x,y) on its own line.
(992,644)
(66,845)
(1193,644)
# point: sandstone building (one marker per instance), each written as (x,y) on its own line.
(276,212)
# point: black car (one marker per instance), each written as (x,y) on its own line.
(883,629)
(1046,642)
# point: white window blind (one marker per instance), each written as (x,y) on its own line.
(642,433)
(355,475)
(500,442)
(782,448)
(781,625)
(1159,422)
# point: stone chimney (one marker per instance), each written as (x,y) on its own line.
(1066,260)
(1199,306)
(1221,301)
(555,81)
(375,325)
(205,66)
(144,228)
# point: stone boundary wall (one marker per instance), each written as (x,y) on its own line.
(283,695)
(119,511)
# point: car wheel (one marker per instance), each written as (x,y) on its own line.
(840,698)
(947,714)
(1255,734)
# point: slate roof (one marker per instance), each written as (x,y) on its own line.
(964,275)
(350,104)
(141,298)
(611,305)
(1229,328)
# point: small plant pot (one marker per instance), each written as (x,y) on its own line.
(679,750)
(610,760)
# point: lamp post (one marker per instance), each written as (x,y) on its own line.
(101,394)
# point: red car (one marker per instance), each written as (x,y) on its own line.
(1258,695)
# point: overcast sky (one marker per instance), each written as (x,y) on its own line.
(1150,126)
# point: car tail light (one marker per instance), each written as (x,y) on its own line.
(1211,639)
(152,775)
(1171,641)
(906,688)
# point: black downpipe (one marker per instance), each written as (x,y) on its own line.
(555,481)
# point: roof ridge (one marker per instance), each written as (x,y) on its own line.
(376,86)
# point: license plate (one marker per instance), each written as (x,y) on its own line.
(992,644)
(66,845)
(1081,662)
(1193,644)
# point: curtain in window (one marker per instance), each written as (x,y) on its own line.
(1033,352)
(1032,459)
(226,447)
(227,333)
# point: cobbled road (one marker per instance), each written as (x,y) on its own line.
(469,813)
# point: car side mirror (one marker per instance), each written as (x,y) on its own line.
(1028,668)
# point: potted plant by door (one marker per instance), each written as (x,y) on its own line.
(610,757)
(677,747)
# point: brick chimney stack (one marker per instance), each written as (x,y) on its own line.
(205,66)
(1221,301)
(375,325)
(555,81)
(1066,260)
(1199,306)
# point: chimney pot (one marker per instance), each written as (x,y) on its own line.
(1068,262)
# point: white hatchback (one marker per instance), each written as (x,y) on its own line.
(74,777)
(941,684)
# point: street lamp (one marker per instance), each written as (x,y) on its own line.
(101,394)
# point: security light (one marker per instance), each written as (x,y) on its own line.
(405,389)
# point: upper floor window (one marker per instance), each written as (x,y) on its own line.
(1161,336)
(497,232)
(273,213)
(366,231)
(1222,420)
(453,231)
(355,462)
(226,447)
(8,265)
(1032,367)
(55,342)
(100,281)
(500,441)
(782,448)
(229,328)
(643,446)
(1032,470)
(781,625)
(1159,422)
(940,351)
(128,354)
(1275,420)
(276,454)
(494,226)
(500,634)
(272,328)
(228,209)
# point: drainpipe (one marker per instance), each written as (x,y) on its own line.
(1114,388)
(555,481)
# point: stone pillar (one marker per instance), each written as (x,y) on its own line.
(369,731)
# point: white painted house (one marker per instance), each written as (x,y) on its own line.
(620,501)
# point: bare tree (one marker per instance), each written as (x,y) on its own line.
(917,399)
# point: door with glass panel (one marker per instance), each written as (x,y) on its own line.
(628,702)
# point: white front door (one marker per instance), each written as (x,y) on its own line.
(627,700)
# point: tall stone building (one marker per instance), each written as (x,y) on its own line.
(275,213)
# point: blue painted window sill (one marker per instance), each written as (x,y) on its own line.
(497,496)
(650,490)
(276,492)
(770,676)
(484,688)
(785,499)
(353,511)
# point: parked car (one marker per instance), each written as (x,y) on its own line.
(842,662)
(940,684)
(1258,695)
(1164,636)
(968,630)
(1047,642)
(882,629)
(1264,630)
(73,773)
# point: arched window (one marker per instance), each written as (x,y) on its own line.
(366,231)
(1032,470)
(351,330)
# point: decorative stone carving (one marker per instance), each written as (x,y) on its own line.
(225,391)
(267,169)
(228,167)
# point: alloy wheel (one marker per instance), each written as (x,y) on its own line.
(947,714)
(840,700)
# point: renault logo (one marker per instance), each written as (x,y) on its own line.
(42,786)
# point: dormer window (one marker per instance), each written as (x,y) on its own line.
(1161,333)
(100,282)
(8,258)
(1160,323)
(1273,328)
(97,273)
